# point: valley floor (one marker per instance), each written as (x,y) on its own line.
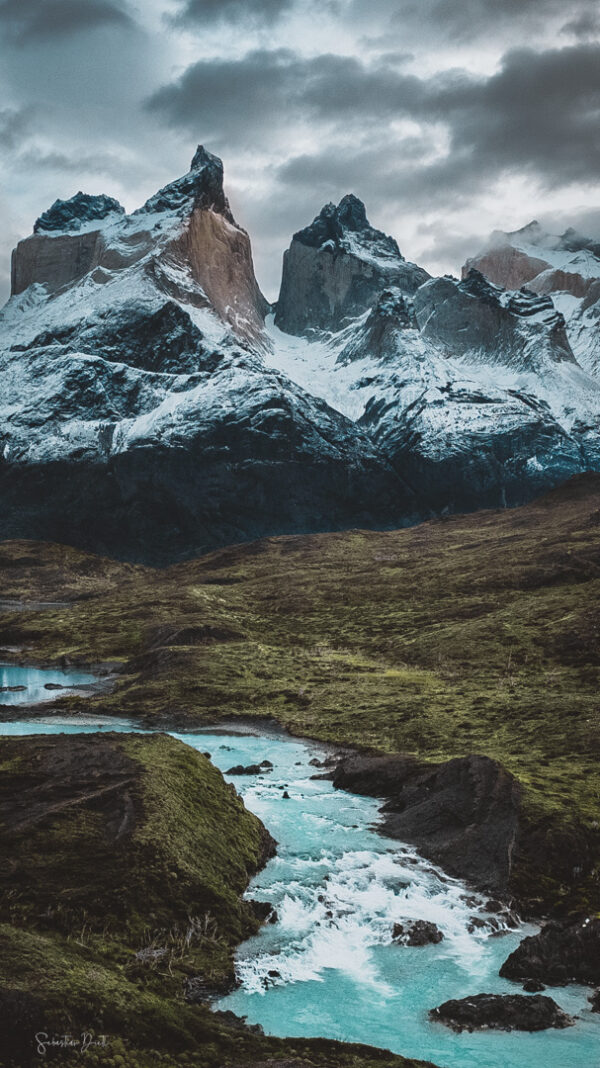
(473,634)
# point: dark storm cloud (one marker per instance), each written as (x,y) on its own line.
(233,97)
(199,12)
(96,163)
(585,25)
(537,114)
(36,20)
(461,21)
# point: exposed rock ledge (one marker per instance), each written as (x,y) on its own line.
(463,814)
(559,954)
(502,1012)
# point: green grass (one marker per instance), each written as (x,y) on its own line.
(82,891)
(476,633)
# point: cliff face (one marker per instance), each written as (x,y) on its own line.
(336,268)
(197,253)
(219,258)
(517,329)
(55,261)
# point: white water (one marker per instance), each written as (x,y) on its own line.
(338,887)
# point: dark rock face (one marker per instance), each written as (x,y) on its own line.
(80,209)
(202,185)
(502,1012)
(332,223)
(261,471)
(594,1001)
(463,814)
(417,933)
(162,341)
(474,315)
(337,267)
(559,954)
(392,314)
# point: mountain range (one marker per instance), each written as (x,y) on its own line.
(155,405)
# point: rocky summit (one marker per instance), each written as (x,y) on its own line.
(155,406)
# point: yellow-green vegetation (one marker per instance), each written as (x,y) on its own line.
(124,858)
(475,633)
(145,821)
(76,990)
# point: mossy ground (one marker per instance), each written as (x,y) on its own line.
(112,844)
(476,633)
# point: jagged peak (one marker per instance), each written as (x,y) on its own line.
(352,213)
(72,214)
(203,158)
(477,285)
(336,226)
(523,303)
(201,187)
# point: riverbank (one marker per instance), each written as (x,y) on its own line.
(159,821)
(125,858)
(471,635)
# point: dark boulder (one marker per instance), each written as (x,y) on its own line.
(501,1012)
(249,769)
(559,954)
(594,1000)
(417,933)
(463,814)
(263,910)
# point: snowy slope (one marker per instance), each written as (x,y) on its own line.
(150,410)
(565,266)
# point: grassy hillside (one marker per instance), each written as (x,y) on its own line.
(124,858)
(476,633)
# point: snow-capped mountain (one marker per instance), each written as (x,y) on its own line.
(565,266)
(154,407)
(337,267)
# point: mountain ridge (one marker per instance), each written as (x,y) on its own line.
(155,406)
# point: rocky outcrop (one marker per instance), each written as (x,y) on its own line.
(542,261)
(336,268)
(54,262)
(417,933)
(74,213)
(501,1012)
(563,266)
(462,814)
(559,954)
(506,266)
(381,334)
(475,318)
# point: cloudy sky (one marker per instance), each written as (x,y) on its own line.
(449,118)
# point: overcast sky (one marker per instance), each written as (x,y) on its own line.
(449,118)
